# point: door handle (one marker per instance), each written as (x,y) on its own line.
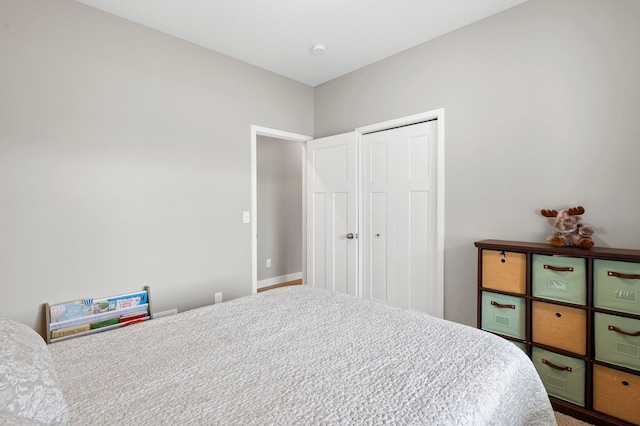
(349,236)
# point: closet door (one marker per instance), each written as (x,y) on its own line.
(380,216)
(332,179)
(399,217)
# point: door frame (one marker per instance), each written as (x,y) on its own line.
(437,114)
(279,134)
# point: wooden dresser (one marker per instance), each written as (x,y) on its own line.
(576,313)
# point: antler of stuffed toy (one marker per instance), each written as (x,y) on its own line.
(548,213)
(576,211)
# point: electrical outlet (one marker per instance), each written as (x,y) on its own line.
(218,297)
(246,217)
(268,263)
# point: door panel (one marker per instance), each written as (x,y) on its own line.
(341,244)
(378,269)
(378,161)
(417,208)
(405,171)
(318,250)
(379,232)
(417,152)
(332,213)
(419,253)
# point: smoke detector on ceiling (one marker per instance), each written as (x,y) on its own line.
(318,49)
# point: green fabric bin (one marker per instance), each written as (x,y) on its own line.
(559,278)
(616,285)
(562,376)
(612,345)
(504,314)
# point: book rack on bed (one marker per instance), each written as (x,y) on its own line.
(87,316)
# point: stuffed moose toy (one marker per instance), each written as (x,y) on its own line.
(568,231)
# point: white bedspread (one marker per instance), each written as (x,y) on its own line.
(299,355)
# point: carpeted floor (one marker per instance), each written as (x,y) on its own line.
(564,420)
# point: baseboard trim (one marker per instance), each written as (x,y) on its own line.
(279,280)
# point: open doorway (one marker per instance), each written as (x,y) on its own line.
(274,233)
(279,212)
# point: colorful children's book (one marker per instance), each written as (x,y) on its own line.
(71,310)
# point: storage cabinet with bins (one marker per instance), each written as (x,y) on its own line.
(576,313)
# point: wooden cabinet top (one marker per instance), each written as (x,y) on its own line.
(543,248)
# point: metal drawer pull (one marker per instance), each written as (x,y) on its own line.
(625,276)
(559,268)
(617,330)
(499,305)
(557,367)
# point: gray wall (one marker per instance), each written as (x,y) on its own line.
(279,193)
(542,104)
(125,153)
(125,159)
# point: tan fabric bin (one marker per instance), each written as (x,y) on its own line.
(504,271)
(616,393)
(560,326)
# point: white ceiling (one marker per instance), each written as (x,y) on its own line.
(278,35)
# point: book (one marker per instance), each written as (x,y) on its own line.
(135,321)
(69,331)
(104,323)
(133,316)
(116,303)
(71,310)
(128,300)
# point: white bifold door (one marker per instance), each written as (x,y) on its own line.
(332,201)
(396,190)
(400,217)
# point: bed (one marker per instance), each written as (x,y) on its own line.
(294,355)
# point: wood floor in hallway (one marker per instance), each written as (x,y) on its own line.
(288,283)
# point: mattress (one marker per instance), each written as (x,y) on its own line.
(299,355)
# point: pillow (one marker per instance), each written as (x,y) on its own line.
(28,381)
